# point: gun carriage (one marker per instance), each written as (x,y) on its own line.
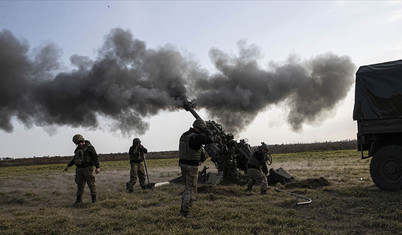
(229,156)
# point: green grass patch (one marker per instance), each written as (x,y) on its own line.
(38,200)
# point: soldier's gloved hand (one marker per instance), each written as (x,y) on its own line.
(97,170)
(143,149)
(66,169)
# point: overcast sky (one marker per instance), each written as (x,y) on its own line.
(359,32)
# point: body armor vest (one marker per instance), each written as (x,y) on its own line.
(187,153)
(254,162)
(136,155)
(82,156)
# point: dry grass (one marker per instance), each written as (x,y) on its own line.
(38,200)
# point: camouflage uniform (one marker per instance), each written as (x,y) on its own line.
(257,171)
(137,170)
(190,157)
(84,172)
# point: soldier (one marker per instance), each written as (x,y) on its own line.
(190,157)
(136,154)
(257,169)
(85,157)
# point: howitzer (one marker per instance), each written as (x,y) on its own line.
(229,156)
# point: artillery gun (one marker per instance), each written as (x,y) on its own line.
(229,156)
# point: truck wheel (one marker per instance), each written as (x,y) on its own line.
(386,168)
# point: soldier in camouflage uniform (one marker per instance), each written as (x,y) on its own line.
(85,158)
(190,157)
(136,153)
(257,169)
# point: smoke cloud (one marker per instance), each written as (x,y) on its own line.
(242,89)
(128,83)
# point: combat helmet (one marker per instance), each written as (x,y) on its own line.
(263,146)
(200,124)
(78,138)
(136,141)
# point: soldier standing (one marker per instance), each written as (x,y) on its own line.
(257,169)
(190,157)
(136,153)
(85,157)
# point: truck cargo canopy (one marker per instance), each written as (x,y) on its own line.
(378,91)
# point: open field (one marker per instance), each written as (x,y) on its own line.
(276,149)
(38,200)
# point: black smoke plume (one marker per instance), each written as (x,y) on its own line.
(128,83)
(242,89)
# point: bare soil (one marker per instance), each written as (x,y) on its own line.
(63,183)
(311,183)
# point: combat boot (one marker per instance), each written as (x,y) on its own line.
(78,201)
(93,198)
(185,214)
(263,192)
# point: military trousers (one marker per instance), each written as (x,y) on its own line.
(190,176)
(257,177)
(137,171)
(85,175)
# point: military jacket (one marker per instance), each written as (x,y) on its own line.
(136,153)
(88,154)
(187,153)
(257,161)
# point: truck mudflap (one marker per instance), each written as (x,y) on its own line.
(362,151)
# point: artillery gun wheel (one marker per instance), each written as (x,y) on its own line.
(386,168)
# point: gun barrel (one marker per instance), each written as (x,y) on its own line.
(195,114)
(189,106)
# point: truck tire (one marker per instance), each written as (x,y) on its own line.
(386,168)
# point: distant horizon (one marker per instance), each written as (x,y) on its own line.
(175,150)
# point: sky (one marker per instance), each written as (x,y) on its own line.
(270,71)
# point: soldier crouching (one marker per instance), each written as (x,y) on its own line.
(257,169)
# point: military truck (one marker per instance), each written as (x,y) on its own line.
(378,112)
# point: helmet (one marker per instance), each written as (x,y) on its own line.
(200,124)
(77,138)
(136,141)
(263,146)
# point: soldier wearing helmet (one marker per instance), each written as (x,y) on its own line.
(257,169)
(191,154)
(136,153)
(85,158)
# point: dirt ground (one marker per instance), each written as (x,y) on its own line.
(114,180)
(106,181)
